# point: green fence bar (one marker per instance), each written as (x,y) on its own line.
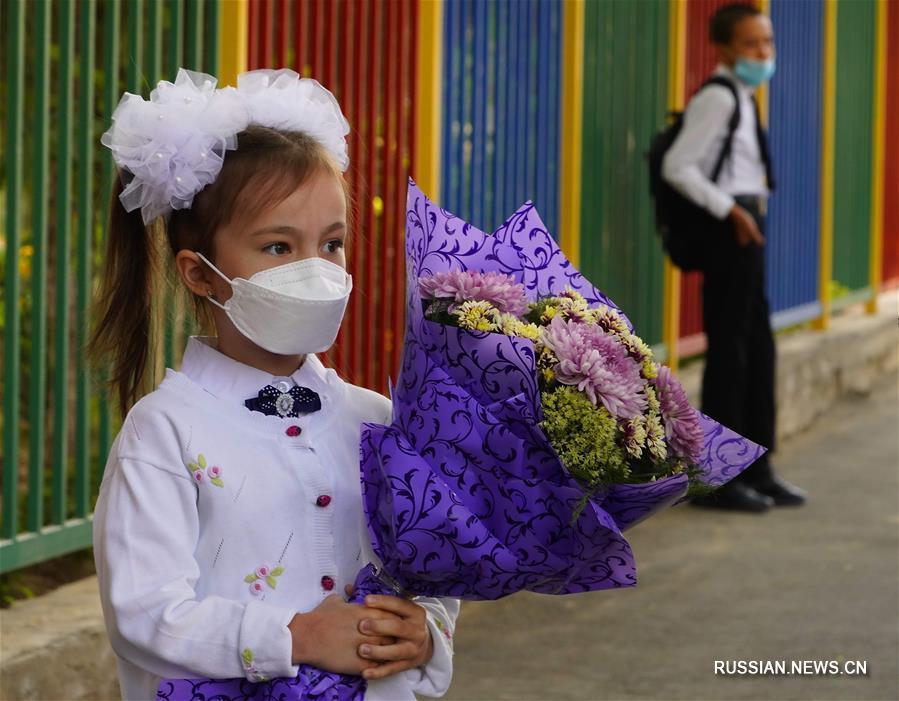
(211,42)
(175,31)
(37,387)
(856,25)
(193,51)
(135,45)
(153,60)
(111,22)
(15,38)
(85,218)
(625,96)
(62,249)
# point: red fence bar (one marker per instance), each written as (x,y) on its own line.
(700,62)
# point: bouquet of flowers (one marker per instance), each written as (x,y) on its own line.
(530,428)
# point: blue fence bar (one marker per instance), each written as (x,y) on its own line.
(795,113)
(501,132)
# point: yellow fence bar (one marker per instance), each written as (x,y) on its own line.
(671,281)
(877,152)
(828,135)
(233,57)
(572,119)
(428,88)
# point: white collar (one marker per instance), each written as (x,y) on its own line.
(233,381)
(745,88)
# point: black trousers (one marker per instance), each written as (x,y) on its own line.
(738,382)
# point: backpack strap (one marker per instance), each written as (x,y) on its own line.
(731,126)
(763,145)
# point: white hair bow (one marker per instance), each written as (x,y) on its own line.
(173,145)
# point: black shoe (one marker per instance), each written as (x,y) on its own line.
(782,492)
(735,496)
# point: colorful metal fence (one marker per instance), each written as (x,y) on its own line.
(486,103)
(65,67)
(501,139)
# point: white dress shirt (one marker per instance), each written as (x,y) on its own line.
(690,160)
(199,493)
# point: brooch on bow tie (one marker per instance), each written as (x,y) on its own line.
(276,402)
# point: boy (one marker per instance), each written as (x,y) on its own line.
(738,382)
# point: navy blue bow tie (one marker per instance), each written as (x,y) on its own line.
(293,402)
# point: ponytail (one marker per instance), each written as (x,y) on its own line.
(122,340)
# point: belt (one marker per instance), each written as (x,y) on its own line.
(757,202)
(750,199)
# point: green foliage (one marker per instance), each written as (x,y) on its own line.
(585,437)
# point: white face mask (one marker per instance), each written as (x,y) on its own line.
(291,309)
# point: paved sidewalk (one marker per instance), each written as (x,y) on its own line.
(815,583)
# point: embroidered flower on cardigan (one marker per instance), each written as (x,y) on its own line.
(263,573)
(200,471)
(253,674)
(443,629)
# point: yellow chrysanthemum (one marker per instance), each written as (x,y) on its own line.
(513,326)
(655,438)
(571,300)
(476,316)
(652,400)
(634,435)
(549,312)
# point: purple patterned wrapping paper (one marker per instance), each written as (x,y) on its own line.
(463,494)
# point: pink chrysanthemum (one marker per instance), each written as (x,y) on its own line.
(598,365)
(471,285)
(682,429)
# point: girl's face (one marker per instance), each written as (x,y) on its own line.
(310,222)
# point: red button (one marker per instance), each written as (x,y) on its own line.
(293,431)
(323,500)
(327,583)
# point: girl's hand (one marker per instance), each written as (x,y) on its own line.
(329,636)
(413,646)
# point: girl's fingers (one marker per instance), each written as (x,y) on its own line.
(388,653)
(384,670)
(395,627)
(395,604)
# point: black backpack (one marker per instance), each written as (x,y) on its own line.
(682,224)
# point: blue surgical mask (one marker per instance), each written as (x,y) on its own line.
(754,72)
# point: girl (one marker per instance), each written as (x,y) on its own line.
(229,515)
